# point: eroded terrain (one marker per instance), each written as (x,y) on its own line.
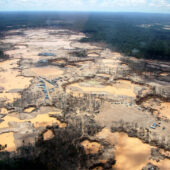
(117,108)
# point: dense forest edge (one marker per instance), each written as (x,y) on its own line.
(139,35)
(133,34)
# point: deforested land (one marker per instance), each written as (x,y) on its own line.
(84,91)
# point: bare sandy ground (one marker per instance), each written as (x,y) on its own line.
(8,139)
(164,109)
(121,87)
(22,69)
(10,80)
(50,72)
(10,97)
(11,74)
(91,147)
(130,152)
(93,55)
(161,109)
(48,135)
(164,74)
(29,110)
(120,112)
(42,120)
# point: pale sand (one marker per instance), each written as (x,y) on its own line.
(91,147)
(46,71)
(165,109)
(117,54)
(77,93)
(41,120)
(10,142)
(108,61)
(12,75)
(44,120)
(104,75)
(24,53)
(18,82)
(121,87)
(93,55)
(29,109)
(162,108)
(77,37)
(60,43)
(4,111)
(48,135)
(124,64)
(164,74)
(131,153)
(84,45)
(59,61)
(163,164)
(10,97)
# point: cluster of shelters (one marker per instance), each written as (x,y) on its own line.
(52,82)
(55,81)
(154,125)
(46,54)
(44,89)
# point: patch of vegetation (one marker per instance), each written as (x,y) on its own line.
(21,164)
(62,152)
(122,33)
(2,147)
(3,56)
(80,53)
